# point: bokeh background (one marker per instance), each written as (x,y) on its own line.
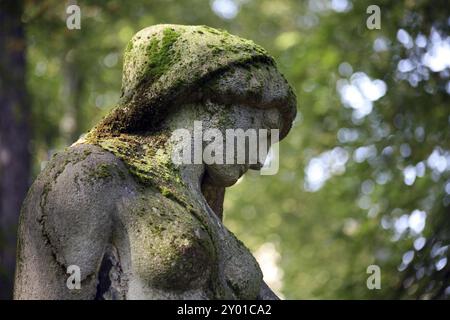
(364,174)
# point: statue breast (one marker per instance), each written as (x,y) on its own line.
(169,248)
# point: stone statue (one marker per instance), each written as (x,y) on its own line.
(116,207)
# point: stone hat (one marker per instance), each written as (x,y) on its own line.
(163,63)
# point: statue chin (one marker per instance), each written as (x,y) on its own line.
(225,175)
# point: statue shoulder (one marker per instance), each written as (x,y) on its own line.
(81,178)
(71,203)
(85,168)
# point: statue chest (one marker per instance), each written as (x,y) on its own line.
(170,249)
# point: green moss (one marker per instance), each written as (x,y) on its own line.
(164,62)
(160,54)
(103,171)
(149,168)
(165,192)
(155,173)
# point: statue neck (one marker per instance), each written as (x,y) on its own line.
(150,162)
(202,188)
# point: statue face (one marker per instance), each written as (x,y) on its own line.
(245,154)
(238,113)
(253,97)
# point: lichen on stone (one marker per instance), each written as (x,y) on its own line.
(150,167)
(164,62)
(166,66)
(161,63)
(160,55)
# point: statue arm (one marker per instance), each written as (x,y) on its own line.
(66,225)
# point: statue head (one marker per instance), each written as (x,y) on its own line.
(174,75)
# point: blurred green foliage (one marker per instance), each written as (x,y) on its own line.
(358,183)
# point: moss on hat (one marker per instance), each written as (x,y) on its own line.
(165,62)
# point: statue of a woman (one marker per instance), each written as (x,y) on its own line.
(115,209)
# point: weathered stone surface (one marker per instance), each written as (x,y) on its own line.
(114,204)
(163,63)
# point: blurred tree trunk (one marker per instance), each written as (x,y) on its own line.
(72,91)
(14,136)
